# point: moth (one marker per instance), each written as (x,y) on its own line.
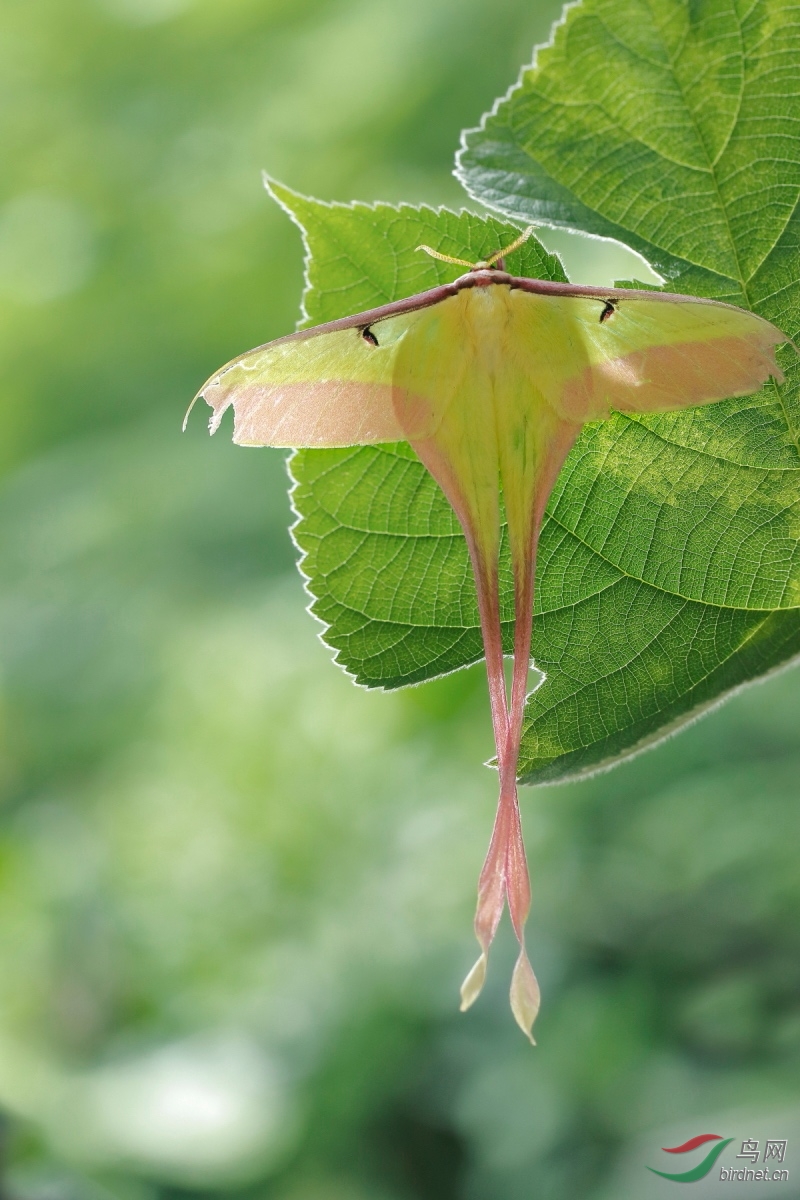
(490,379)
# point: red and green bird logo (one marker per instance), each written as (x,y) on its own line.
(702,1168)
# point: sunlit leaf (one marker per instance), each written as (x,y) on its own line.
(669,541)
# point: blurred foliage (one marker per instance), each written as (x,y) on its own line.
(235,890)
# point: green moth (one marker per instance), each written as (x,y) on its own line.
(490,379)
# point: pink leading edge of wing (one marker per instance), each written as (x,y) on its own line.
(670,377)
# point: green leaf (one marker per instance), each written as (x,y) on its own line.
(669,568)
(631,666)
(671,127)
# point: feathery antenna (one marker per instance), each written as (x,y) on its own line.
(480,266)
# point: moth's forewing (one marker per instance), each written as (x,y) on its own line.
(335,384)
(644,354)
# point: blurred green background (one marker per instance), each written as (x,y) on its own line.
(236,891)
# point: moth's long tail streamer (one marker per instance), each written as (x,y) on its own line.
(525,996)
(504,876)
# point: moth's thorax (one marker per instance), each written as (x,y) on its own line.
(484,277)
(486,314)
